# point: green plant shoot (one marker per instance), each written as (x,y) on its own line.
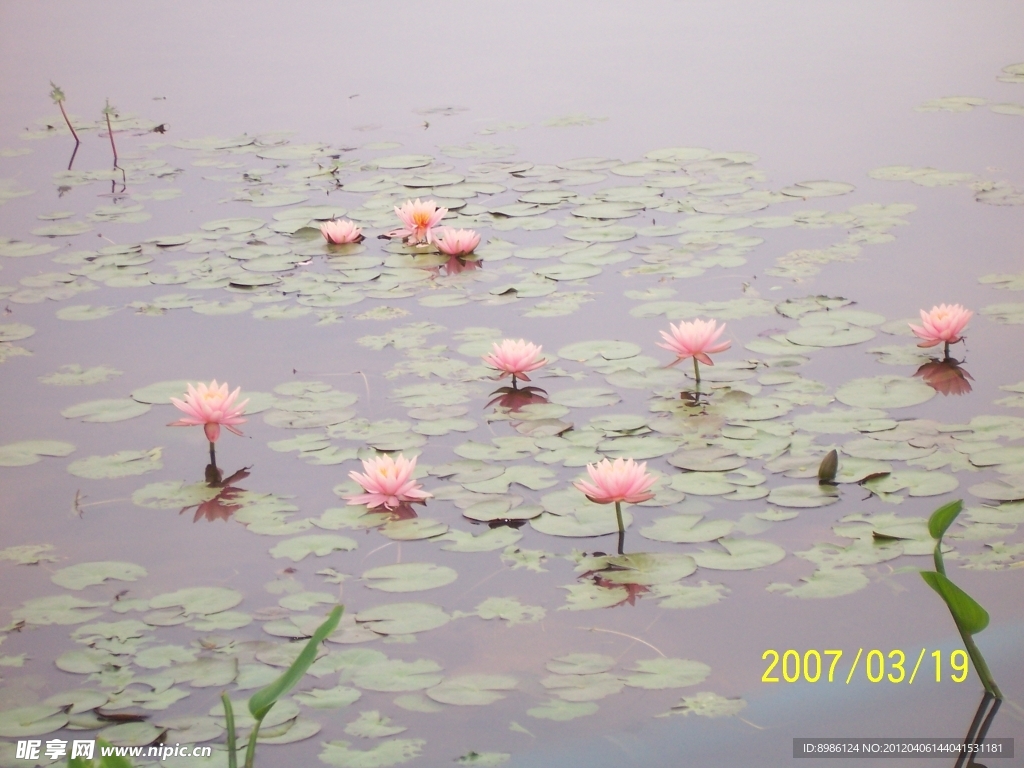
(968,615)
(264,699)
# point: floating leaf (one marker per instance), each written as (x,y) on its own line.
(707,704)
(27,452)
(105,411)
(472,690)
(740,555)
(826,582)
(34,720)
(120,464)
(803,496)
(75,375)
(658,674)
(393,752)
(295,549)
(85,575)
(561,711)
(884,392)
(402,618)
(395,675)
(409,577)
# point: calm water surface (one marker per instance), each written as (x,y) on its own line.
(811,92)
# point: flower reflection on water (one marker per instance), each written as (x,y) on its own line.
(222,506)
(946,377)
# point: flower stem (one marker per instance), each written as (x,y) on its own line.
(696,370)
(70,126)
(213,454)
(618,516)
(946,354)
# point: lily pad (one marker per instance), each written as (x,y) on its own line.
(884,392)
(740,555)
(27,452)
(658,674)
(106,411)
(85,575)
(472,690)
(409,577)
(120,464)
(295,549)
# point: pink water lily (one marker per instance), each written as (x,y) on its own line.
(388,482)
(944,323)
(341,232)
(418,219)
(696,339)
(616,482)
(621,480)
(457,242)
(212,407)
(515,358)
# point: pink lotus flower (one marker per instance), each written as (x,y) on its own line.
(419,219)
(457,242)
(944,323)
(515,358)
(387,482)
(341,232)
(694,339)
(213,407)
(618,481)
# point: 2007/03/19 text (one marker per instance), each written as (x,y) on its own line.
(819,666)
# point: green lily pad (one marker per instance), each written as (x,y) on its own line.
(198,600)
(402,618)
(472,690)
(373,725)
(685,596)
(707,704)
(57,609)
(595,520)
(105,411)
(409,577)
(74,375)
(658,674)
(686,529)
(580,664)
(561,711)
(120,464)
(26,452)
(173,494)
(395,676)
(803,496)
(589,687)
(884,392)
(295,549)
(740,555)
(586,397)
(386,753)
(830,582)
(85,575)
(15,331)
(35,720)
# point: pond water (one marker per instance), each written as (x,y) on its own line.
(810,176)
